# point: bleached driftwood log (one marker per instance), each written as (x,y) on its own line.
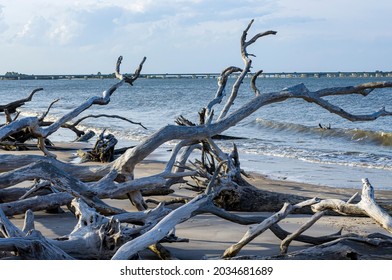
(371,247)
(162,229)
(29,243)
(255,231)
(286,242)
(94,237)
(367,206)
(41,133)
(12,106)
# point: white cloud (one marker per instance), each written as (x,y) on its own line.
(181,35)
(3,25)
(64,32)
(33,31)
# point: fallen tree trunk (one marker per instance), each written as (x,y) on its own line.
(254,231)
(30,245)
(94,237)
(251,199)
(345,248)
(367,206)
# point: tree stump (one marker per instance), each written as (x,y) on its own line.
(103,150)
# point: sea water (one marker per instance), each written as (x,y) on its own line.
(283,140)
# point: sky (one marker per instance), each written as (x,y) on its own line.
(193,36)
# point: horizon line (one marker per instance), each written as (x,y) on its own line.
(11,73)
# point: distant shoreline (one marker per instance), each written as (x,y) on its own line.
(360,74)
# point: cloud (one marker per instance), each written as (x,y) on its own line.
(87,27)
(195,35)
(71,27)
(34,31)
(3,25)
(87,22)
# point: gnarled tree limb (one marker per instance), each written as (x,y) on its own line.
(367,206)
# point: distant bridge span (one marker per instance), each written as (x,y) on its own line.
(203,75)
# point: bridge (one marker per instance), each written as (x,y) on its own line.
(377,74)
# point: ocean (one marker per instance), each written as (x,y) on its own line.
(283,140)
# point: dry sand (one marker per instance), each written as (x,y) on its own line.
(209,235)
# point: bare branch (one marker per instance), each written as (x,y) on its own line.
(47,111)
(255,231)
(367,206)
(245,44)
(107,116)
(222,81)
(42,133)
(284,245)
(247,62)
(212,182)
(253,82)
(363,89)
(128,80)
(11,107)
(8,117)
(160,230)
(29,222)
(258,36)
(344,114)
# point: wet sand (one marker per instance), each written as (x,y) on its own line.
(209,235)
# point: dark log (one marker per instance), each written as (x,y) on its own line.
(251,199)
(347,248)
(103,150)
(85,137)
(11,107)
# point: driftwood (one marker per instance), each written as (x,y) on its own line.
(257,230)
(37,130)
(105,232)
(103,150)
(94,236)
(10,108)
(367,206)
(371,247)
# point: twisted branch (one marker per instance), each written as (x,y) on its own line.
(107,116)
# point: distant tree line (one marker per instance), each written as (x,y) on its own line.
(15,74)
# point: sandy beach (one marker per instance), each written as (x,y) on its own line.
(209,235)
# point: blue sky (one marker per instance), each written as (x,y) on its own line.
(178,36)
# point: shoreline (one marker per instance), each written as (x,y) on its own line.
(154,163)
(209,235)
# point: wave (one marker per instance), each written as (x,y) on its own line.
(380,138)
(344,158)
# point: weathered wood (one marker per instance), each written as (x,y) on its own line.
(36,203)
(98,237)
(85,137)
(255,231)
(107,116)
(11,107)
(158,232)
(251,199)
(103,150)
(33,123)
(34,246)
(286,242)
(246,69)
(367,206)
(29,243)
(345,248)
